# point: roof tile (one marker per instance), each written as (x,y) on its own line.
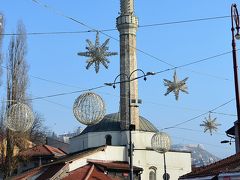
(225,165)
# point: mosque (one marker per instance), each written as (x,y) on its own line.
(103,150)
(113,129)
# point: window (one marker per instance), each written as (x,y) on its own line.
(152,173)
(108,139)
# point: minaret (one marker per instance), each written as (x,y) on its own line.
(127,24)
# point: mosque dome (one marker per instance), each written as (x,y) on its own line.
(111,122)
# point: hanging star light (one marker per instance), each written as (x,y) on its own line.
(176,85)
(210,124)
(97,53)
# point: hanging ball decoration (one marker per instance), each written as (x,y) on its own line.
(161,142)
(20,118)
(89,108)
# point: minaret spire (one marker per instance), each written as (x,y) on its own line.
(127,7)
(127,24)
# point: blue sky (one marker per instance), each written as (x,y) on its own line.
(54,58)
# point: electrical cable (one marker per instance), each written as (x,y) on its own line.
(159,72)
(178,124)
(194,130)
(93,29)
(83,24)
(115,29)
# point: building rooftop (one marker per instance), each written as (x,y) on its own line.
(43,150)
(87,172)
(111,122)
(229,164)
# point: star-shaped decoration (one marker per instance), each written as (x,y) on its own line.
(98,53)
(210,124)
(175,86)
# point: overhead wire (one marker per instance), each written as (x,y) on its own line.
(67,93)
(174,67)
(225,114)
(46,80)
(170,127)
(194,130)
(115,29)
(195,62)
(89,89)
(196,117)
(94,29)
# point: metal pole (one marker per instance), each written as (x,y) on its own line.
(130,132)
(235,68)
(165,169)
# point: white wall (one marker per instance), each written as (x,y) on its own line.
(111,153)
(177,163)
(93,139)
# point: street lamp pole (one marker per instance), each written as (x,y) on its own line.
(235,20)
(165,168)
(131,126)
(161,143)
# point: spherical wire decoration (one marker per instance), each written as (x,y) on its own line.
(89,108)
(19,118)
(161,142)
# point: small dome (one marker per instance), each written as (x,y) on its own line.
(111,122)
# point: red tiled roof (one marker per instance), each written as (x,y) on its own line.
(80,154)
(89,172)
(43,150)
(45,171)
(114,165)
(51,171)
(29,173)
(228,164)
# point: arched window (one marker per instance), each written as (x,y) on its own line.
(108,139)
(152,173)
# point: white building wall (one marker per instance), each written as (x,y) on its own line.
(111,153)
(177,163)
(93,139)
(141,139)
(78,143)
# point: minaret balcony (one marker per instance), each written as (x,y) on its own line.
(127,21)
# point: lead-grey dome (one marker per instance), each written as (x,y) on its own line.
(111,122)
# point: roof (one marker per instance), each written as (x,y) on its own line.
(114,165)
(229,164)
(51,171)
(87,172)
(93,170)
(43,150)
(29,173)
(45,172)
(111,122)
(231,131)
(80,154)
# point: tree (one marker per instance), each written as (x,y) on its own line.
(17,83)
(38,132)
(1,37)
